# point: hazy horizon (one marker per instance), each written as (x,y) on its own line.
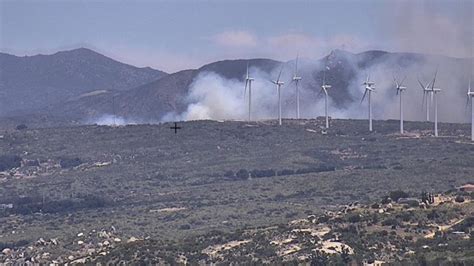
(177,35)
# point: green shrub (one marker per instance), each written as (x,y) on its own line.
(390,222)
(285,172)
(353,218)
(21,127)
(69,162)
(8,162)
(459,199)
(262,173)
(242,174)
(398,194)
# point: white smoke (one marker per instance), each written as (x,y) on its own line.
(452,79)
(111,120)
(211,96)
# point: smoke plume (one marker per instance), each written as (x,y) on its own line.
(213,97)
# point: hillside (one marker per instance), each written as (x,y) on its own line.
(136,95)
(150,102)
(32,82)
(343,70)
(65,190)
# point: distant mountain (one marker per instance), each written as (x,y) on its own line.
(150,101)
(31,82)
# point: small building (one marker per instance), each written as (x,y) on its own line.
(466,188)
(6,206)
(412,202)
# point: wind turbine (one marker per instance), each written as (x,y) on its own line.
(248,82)
(470,97)
(324,88)
(369,87)
(278,84)
(296,79)
(434,91)
(400,88)
(426,97)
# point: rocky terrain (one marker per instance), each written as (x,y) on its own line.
(236,191)
(390,232)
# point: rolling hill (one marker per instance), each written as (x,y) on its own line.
(152,98)
(32,82)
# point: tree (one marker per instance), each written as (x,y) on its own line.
(398,194)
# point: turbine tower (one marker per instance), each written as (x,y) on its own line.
(369,87)
(470,97)
(324,88)
(278,84)
(427,96)
(400,88)
(434,91)
(248,82)
(296,79)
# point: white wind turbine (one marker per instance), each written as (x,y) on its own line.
(324,88)
(297,79)
(470,97)
(400,88)
(248,82)
(369,87)
(434,91)
(427,97)
(278,84)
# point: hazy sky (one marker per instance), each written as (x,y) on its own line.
(175,35)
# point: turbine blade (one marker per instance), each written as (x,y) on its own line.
(296,65)
(245,89)
(395,80)
(319,94)
(403,80)
(434,79)
(324,77)
(247,70)
(423,101)
(279,74)
(421,85)
(363,97)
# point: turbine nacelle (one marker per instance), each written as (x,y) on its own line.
(367,82)
(326,87)
(295,78)
(277,82)
(401,89)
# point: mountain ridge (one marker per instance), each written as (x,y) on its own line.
(155,99)
(32,82)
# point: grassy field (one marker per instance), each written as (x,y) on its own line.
(146,181)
